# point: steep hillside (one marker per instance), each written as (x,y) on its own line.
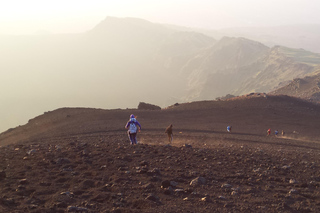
(249,115)
(278,66)
(80,160)
(306,88)
(239,66)
(177,48)
(221,68)
(301,55)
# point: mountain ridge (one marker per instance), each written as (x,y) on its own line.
(75,121)
(307,88)
(166,65)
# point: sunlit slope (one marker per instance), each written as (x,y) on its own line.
(249,115)
(238,66)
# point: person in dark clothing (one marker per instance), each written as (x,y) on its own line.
(132,126)
(169,133)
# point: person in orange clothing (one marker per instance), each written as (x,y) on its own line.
(268,132)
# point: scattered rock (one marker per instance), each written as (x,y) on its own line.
(198,181)
(226,185)
(173,183)
(62,180)
(257,170)
(7,201)
(228,205)
(77,209)
(154,171)
(286,167)
(61,204)
(293,191)
(168,191)
(144,163)
(70,194)
(179,190)
(292,181)
(147,186)
(31,151)
(2,175)
(152,197)
(23,181)
(186,199)
(234,193)
(165,184)
(142,170)
(205,199)
(147,106)
(88,184)
(63,161)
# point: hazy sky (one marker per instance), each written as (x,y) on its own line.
(25,79)
(73,16)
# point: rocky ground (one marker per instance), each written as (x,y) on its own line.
(73,170)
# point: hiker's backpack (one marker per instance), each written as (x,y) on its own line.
(132,127)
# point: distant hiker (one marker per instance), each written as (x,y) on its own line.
(268,132)
(132,129)
(276,132)
(229,128)
(169,133)
(282,133)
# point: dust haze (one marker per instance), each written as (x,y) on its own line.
(94,69)
(54,57)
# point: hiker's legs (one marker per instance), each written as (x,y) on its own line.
(134,138)
(131,137)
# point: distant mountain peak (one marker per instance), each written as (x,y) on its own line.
(239,40)
(123,24)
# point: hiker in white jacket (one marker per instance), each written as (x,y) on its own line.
(132,129)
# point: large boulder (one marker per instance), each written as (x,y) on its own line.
(146,106)
(198,181)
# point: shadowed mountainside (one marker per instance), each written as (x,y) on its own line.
(307,88)
(239,66)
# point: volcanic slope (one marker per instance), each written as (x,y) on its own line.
(80,160)
(306,88)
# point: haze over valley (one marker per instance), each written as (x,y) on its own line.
(120,62)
